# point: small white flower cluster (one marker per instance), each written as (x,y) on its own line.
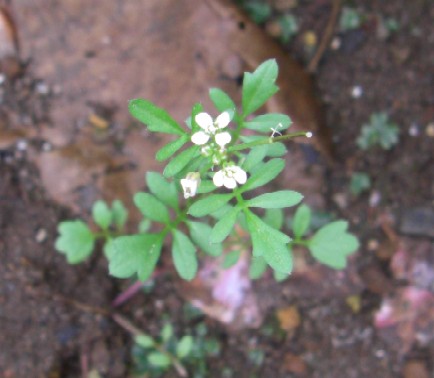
(214,142)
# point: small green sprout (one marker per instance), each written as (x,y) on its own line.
(350,19)
(258,11)
(289,26)
(379,131)
(156,356)
(360,182)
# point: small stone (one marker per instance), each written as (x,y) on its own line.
(2,78)
(41,235)
(414,130)
(46,147)
(374,198)
(22,145)
(341,199)
(336,43)
(418,222)
(373,245)
(42,88)
(356,91)
(430,130)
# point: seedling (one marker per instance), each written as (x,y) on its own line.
(360,182)
(350,19)
(205,195)
(379,131)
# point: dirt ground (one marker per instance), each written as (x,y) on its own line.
(66,139)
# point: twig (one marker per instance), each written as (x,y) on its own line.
(328,34)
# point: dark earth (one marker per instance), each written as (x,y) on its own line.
(58,320)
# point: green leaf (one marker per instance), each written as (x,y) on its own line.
(151,207)
(170,148)
(258,266)
(101,214)
(144,341)
(231,259)
(159,360)
(221,100)
(332,243)
(267,122)
(276,149)
(274,218)
(255,156)
(108,248)
(209,204)
(269,243)
(224,226)
(276,200)
(162,189)
(259,86)
(135,254)
(301,221)
(76,241)
(184,346)
(180,161)
(184,255)
(200,233)
(360,181)
(279,276)
(166,332)
(119,213)
(156,118)
(206,186)
(267,172)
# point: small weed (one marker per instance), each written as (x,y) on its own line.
(379,131)
(289,26)
(350,19)
(360,182)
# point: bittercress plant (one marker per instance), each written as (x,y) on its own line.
(205,195)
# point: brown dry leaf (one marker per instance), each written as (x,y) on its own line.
(289,318)
(295,364)
(9,61)
(296,96)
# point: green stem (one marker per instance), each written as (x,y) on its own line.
(269,140)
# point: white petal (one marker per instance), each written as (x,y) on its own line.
(223,120)
(229,182)
(204,121)
(240,175)
(185,183)
(218,178)
(200,138)
(223,138)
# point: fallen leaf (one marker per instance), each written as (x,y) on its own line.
(289,318)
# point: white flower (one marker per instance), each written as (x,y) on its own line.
(212,128)
(229,177)
(190,184)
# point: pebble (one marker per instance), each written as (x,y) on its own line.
(414,131)
(374,198)
(22,145)
(42,88)
(356,91)
(336,43)
(46,147)
(2,78)
(430,130)
(41,235)
(418,221)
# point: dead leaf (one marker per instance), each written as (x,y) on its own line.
(289,318)
(297,95)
